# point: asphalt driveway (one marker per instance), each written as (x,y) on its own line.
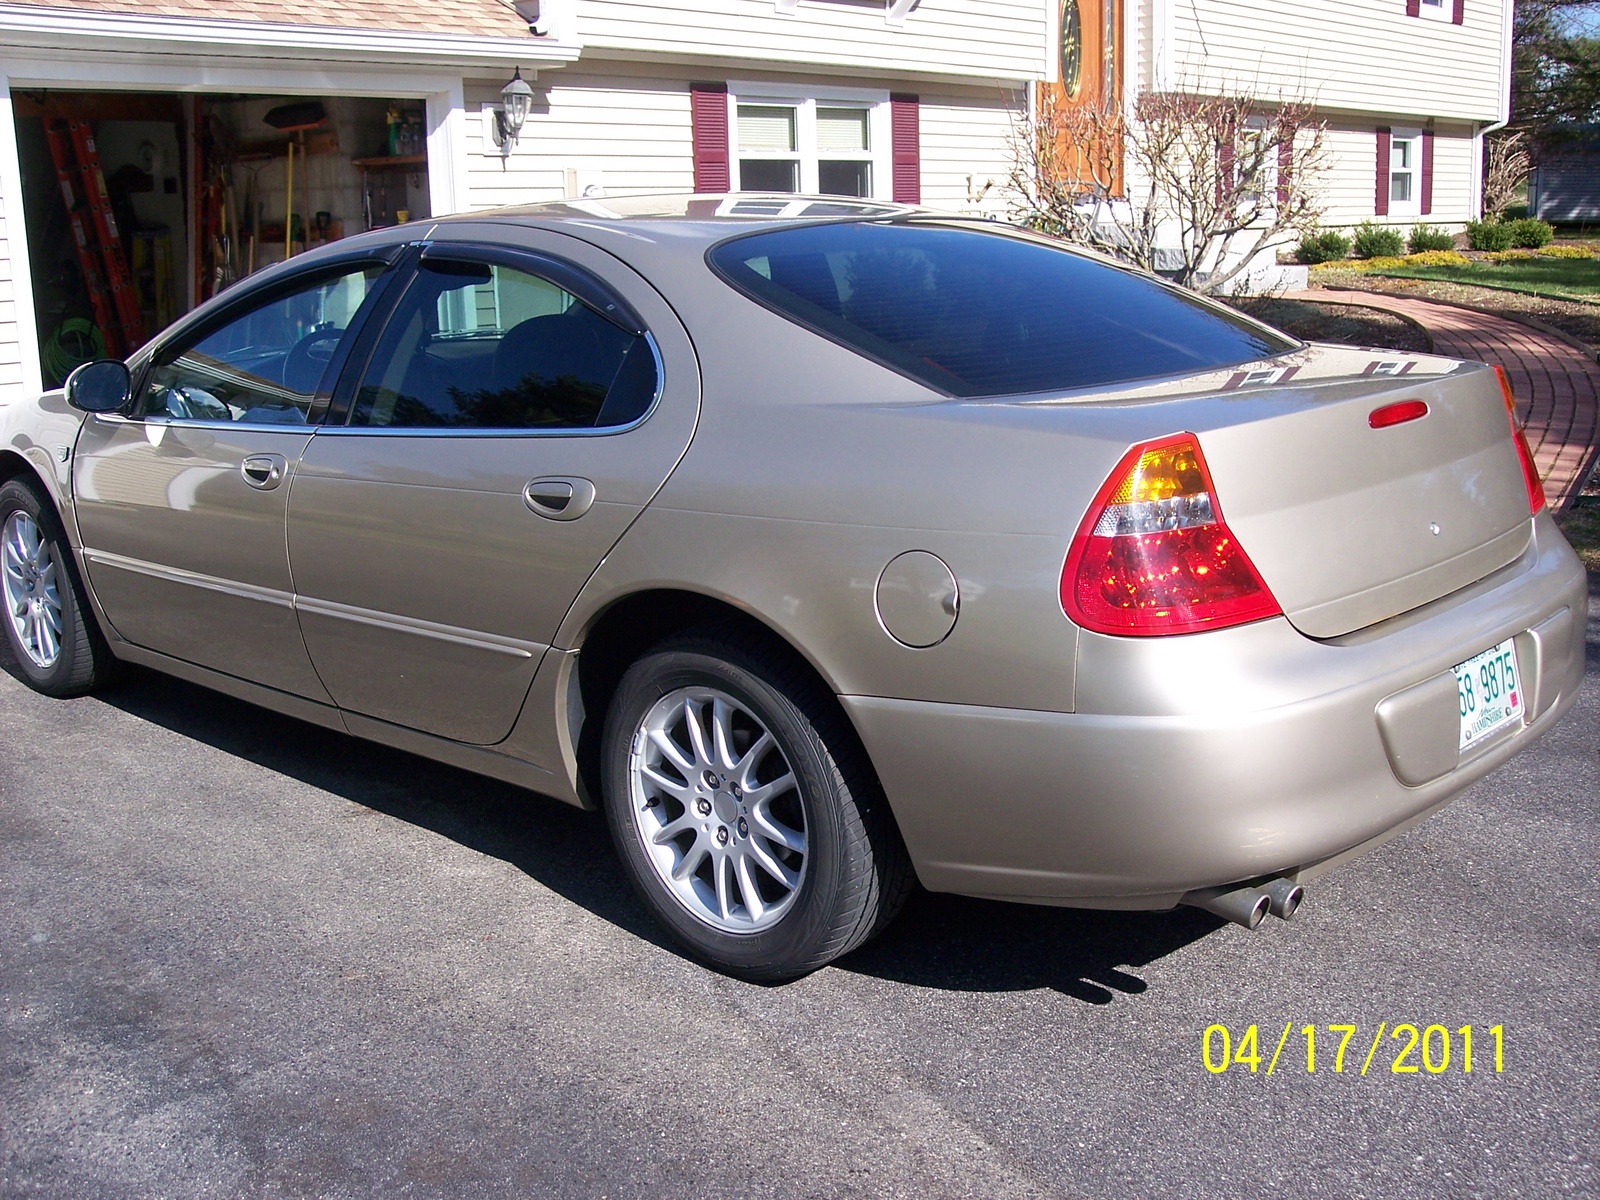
(242,956)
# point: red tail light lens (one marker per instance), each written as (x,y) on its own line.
(1154,556)
(1530,473)
(1397,414)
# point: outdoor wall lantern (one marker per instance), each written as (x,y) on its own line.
(516,102)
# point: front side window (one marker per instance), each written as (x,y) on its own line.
(812,146)
(484,346)
(977,313)
(262,367)
(1405,158)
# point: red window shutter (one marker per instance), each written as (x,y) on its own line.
(1285,170)
(708,122)
(1427,171)
(1380,203)
(1413,8)
(1459,13)
(906,149)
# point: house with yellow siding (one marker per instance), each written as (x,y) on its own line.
(230,135)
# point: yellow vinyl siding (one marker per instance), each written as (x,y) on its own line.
(1364,55)
(630,131)
(971,38)
(962,137)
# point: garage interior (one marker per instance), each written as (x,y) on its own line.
(140,205)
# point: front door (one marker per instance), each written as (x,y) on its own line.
(181,506)
(513,420)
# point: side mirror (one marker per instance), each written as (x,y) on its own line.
(101,386)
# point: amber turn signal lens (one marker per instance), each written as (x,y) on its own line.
(1153,555)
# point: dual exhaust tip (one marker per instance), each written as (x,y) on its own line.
(1248,906)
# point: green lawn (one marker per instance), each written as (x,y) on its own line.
(1560,278)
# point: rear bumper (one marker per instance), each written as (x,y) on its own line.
(1203,760)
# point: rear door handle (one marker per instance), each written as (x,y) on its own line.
(264,471)
(559,497)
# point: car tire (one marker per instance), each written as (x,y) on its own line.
(766,849)
(49,627)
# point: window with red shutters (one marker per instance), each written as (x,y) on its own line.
(906,149)
(708,120)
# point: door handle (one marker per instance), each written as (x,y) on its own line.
(264,471)
(559,497)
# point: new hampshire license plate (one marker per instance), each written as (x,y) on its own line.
(1490,691)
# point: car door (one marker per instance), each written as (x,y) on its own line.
(181,505)
(520,408)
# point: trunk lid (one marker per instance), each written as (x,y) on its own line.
(1348,524)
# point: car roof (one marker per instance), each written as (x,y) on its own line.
(701,206)
(716,215)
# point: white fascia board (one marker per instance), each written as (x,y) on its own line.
(24,28)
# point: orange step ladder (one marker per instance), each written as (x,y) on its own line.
(70,178)
(103,224)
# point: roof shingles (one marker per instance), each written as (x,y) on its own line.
(480,18)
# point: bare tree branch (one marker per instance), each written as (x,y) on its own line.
(1196,183)
(1506,163)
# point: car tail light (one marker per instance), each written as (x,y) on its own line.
(1530,473)
(1154,556)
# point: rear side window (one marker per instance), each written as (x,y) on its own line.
(486,346)
(977,313)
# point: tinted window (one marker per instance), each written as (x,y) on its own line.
(975,313)
(481,346)
(262,367)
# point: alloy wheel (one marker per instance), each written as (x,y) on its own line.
(31,582)
(718,810)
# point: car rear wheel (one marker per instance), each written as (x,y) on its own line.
(745,811)
(48,626)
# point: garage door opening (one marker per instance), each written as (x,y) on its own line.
(140,205)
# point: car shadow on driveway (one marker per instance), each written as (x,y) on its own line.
(960,944)
(939,941)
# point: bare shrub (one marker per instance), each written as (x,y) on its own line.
(1194,184)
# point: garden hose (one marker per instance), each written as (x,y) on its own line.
(74,341)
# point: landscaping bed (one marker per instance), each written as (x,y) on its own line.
(1346,324)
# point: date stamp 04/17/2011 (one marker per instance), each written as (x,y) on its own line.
(1400,1049)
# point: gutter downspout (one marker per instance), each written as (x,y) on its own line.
(1506,20)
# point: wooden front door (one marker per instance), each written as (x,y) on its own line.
(1089,74)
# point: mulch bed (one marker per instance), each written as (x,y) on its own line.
(1346,324)
(1572,317)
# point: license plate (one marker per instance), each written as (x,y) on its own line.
(1490,691)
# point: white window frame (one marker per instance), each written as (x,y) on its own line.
(1413,206)
(1265,184)
(1436,10)
(805,102)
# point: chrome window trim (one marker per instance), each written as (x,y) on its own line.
(305,430)
(496,432)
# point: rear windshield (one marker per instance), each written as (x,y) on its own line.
(976,313)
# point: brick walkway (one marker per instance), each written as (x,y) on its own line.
(1557,384)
